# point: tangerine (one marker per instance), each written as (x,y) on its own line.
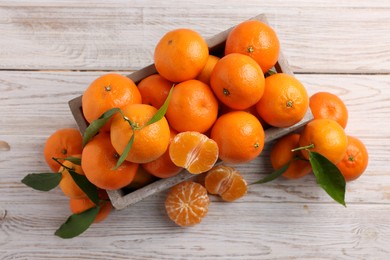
(150,141)
(205,74)
(281,154)
(255,39)
(355,159)
(324,136)
(98,161)
(108,91)
(68,186)
(330,106)
(61,144)
(154,90)
(187,203)
(193,151)
(237,81)
(284,102)
(193,107)
(180,55)
(78,206)
(239,135)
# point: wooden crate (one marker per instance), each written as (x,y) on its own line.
(119,198)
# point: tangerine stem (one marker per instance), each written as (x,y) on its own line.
(307,147)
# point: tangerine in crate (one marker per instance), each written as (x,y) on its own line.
(122,198)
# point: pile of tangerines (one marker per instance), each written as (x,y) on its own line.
(198,112)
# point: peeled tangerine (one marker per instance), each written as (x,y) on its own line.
(226,182)
(193,151)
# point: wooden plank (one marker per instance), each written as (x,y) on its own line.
(323,36)
(239,230)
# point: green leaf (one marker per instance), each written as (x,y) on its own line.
(42,181)
(85,185)
(74,160)
(96,125)
(274,175)
(77,223)
(328,176)
(161,112)
(125,152)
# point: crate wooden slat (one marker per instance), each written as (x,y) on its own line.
(216,44)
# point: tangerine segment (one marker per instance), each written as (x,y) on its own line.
(226,182)
(187,203)
(98,161)
(281,154)
(150,142)
(193,151)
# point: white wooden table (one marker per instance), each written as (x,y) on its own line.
(51,50)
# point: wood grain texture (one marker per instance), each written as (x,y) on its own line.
(50,51)
(350,37)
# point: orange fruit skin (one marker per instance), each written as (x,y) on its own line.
(187,203)
(226,182)
(154,90)
(328,138)
(180,55)
(106,92)
(193,107)
(98,161)
(284,102)
(237,81)
(205,74)
(239,135)
(150,142)
(257,40)
(78,206)
(281,154)
(355,159)
(61,144)
(163,167)
(193,151)
(67,184)
(330,106)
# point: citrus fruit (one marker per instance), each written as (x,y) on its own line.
(154,90)
(284,102)
(239,135)
(67,184)
(61,144)
(255,39)
(150,142)
(78,206)
(330,106)
(281,154)
(324,136)
(355,159)
(180,55)
(193,107)
(141,179)
(205,74)
(163,167)
(187,203)
(106,92)
(237,81)
(226,182)
(193,151)
(98,161)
